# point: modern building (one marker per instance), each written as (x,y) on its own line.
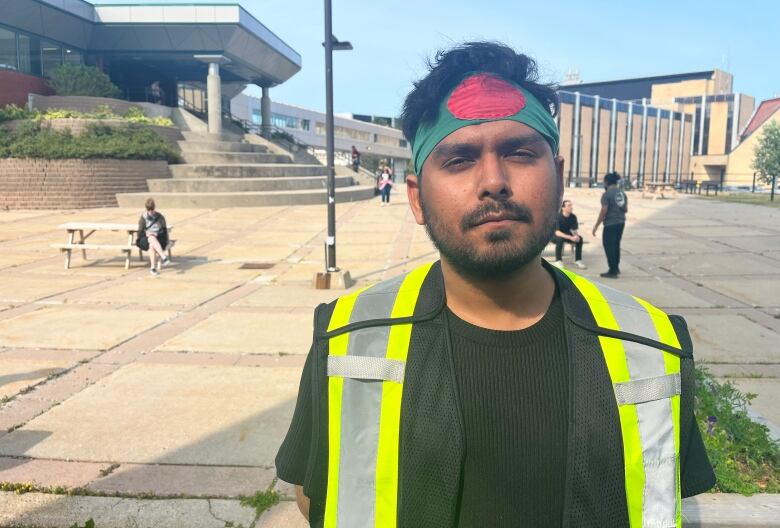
(739,169)
(308,127)
(219,48)
(703,116)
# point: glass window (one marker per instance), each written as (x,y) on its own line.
(29,55)
(71,56)
(52,57)
(7,49)
(256,117)
(305,124)
(402,143)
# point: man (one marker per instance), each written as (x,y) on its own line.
(355,159)
(490,389)
(614,206)
(567,232)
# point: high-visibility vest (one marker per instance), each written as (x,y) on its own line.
(369,336)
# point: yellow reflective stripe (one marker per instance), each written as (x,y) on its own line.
(337,346)
(386,513)
(617,364)
(668,336)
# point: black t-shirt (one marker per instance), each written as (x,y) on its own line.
(514,389)
(567,223)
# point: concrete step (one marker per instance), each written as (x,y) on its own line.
(199,136)
(246,170)
(207,185)
(217,158)
(219,146)
(215,200)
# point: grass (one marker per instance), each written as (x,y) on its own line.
(745,458)
(261,501)
(745,198)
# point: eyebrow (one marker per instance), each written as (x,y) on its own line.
(468,149)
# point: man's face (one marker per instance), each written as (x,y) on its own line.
(489,196)
(567,208)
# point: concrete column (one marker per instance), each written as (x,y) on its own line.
(214,94)
(265,114)
(575,162)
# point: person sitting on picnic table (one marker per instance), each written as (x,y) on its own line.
(153,237)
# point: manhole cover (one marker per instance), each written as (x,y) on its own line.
(257,265)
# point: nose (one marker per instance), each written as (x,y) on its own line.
(493,179)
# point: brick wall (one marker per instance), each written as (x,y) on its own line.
(14,87)
(91,104)
(72,184)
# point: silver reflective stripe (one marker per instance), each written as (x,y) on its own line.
(656,422)
(366,368)
(361,406)
(648,389)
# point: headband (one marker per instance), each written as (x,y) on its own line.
(482,98)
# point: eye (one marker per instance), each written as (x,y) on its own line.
(523,154)
(456,163)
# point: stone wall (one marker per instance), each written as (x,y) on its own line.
(91,104)
(72,184)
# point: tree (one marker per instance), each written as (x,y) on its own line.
(76,79)
(767,155)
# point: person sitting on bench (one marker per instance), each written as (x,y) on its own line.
(153,236)
(567,232)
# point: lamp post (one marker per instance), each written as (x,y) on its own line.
(324,280)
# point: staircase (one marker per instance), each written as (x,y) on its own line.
(221,170)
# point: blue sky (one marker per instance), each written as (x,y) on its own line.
(603,40)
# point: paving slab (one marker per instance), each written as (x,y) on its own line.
(156,291)
(169,480)
(62,511)
(76,328)
(211,271)
(17,374)
(732,339)
(722,231)
(756,244)
(660,293)
(49,473)
(767,393)
(673,246)
(253,253)
(751,290)
(724,510)
(247,333)
(292,296)
(284,515)
(168,414)
(726,264)
(28,289)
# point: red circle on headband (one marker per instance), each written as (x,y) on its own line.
(485,96)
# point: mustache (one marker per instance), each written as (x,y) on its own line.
(513,210)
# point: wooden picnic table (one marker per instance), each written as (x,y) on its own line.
(79,228)
(657,189)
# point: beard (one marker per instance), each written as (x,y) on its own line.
(506,252)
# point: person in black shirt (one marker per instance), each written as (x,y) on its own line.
(567,232)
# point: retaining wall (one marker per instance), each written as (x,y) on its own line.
(73,184)
(90,104)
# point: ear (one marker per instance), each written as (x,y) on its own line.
(413,193)
(559,166)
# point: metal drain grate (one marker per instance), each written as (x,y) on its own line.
(257,265)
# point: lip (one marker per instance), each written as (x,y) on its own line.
(501,220)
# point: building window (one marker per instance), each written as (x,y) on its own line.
(71,56)
(7,49)
(284,121)
(52,57)
(256,117)
(29,55)
(402,143)
(305,124)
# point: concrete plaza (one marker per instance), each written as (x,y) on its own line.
(182,386)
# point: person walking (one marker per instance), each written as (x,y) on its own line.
(490,388)
(566,232)
(385,185)
(614,206)
(355,159)
(153,237)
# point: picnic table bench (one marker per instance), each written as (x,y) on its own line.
(708,186)
(656,189)
(689,186)
(74,228)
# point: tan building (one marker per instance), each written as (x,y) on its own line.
(692,123)
(739,168)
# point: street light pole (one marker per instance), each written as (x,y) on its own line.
(330,242)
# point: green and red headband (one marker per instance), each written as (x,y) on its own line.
(482,98)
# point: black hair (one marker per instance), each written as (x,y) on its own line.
(450,67)
(611,178)
(563,203)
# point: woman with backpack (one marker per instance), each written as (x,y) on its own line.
(153,237)
(385,184)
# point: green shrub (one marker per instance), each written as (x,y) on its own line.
(97,142)
(77,79)
(11,112)
(744,456)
